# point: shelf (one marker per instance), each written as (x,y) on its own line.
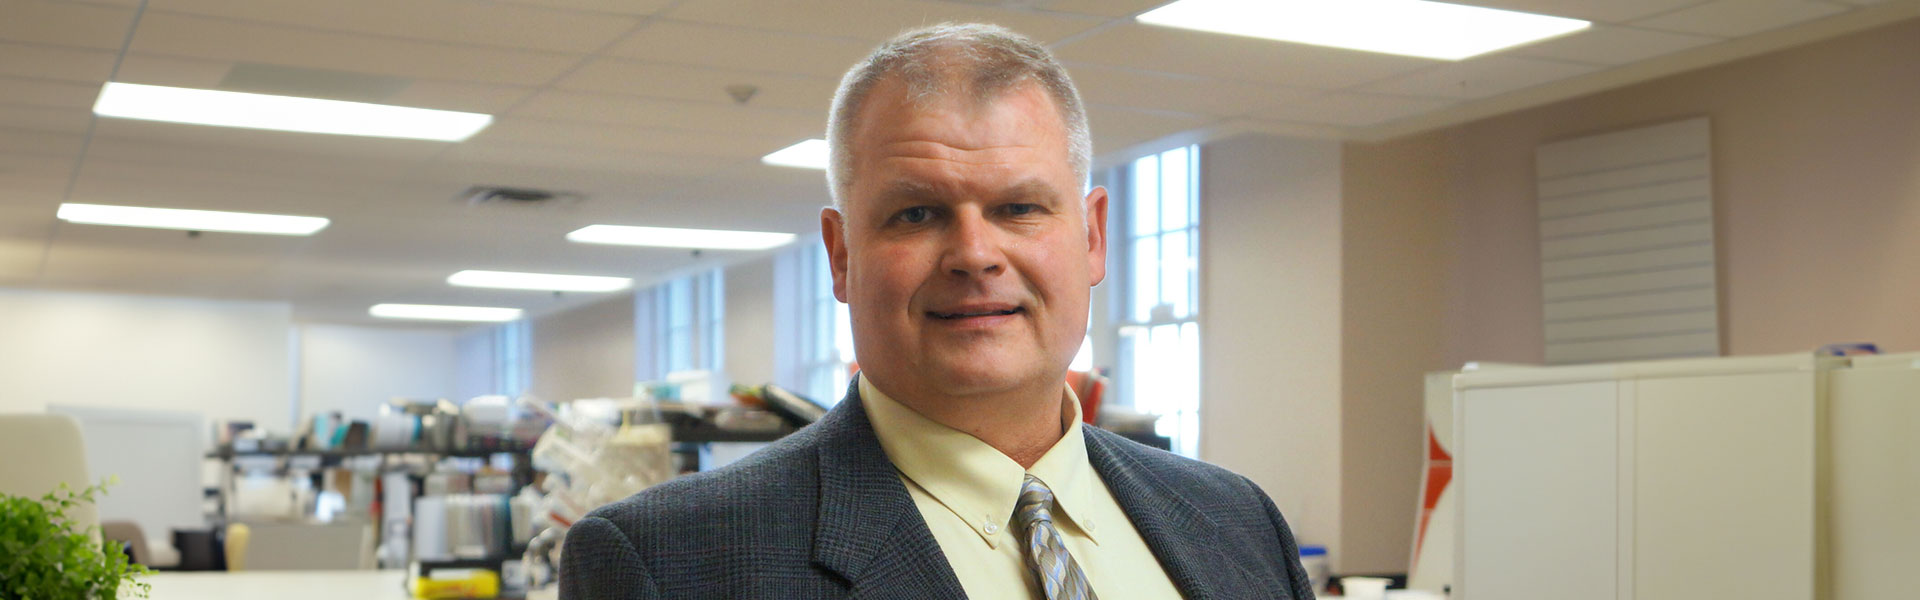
(229,454)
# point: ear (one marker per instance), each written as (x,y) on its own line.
(1097,235)
(833,232)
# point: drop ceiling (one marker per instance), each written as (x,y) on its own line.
(624,102)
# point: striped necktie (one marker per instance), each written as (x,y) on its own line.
(1046,554)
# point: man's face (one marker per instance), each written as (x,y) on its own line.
(966,255)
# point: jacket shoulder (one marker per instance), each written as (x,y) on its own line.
(1178,472)
(770,491)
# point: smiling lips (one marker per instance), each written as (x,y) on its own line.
(968,312)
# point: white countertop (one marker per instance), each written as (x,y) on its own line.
(289,585)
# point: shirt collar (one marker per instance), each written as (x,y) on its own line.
(972,479)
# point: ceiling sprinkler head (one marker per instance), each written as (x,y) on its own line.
(742,92)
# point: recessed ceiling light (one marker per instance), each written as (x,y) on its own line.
(284,113)
(810,154)
(538,281)
(1405,27)
(434,312)
(190,220)
(669,237)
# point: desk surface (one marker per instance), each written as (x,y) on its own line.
(289,585)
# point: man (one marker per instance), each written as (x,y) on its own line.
(964,241)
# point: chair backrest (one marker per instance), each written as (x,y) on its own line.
(129,533)
(38,452)
(301,546)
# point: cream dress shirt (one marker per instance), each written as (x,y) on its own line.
(966,491)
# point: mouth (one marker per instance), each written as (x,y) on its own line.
(975,313)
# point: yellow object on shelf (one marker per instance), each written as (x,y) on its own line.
(450,584)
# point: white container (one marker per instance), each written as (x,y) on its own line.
(1314,560)
(1363,588)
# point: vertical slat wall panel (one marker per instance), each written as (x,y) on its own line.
(1626,245)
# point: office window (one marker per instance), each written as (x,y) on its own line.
(814,333)
(1157,310)
(512,357)
(684,319)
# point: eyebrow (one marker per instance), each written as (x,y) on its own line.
(916,190)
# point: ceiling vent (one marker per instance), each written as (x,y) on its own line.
(515,197)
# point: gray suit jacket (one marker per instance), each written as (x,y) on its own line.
(823,514)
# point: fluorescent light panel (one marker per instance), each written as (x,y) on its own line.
(435,312)
(810,154)
(668,237)
(190,220)
(538,281)
(284,113)
(1404,27)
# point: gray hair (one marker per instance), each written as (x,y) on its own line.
(984,61)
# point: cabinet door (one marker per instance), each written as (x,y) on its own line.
(1875,417)
(1537,472)
(1724,486)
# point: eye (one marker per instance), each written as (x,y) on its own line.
(1022,209)
(915,215)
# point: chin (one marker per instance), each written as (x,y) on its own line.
(973,374)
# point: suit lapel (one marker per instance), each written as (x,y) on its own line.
(1182,538)
(868,529)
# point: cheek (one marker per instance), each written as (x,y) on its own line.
(887,277)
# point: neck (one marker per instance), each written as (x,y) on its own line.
(1021,424)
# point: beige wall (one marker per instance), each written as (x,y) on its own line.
(749,324)
(1816,158)
(1393,327)
(585,352)
(1270,323)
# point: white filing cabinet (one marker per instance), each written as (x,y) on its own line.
(1671,479)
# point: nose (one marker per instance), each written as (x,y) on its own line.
(972,246)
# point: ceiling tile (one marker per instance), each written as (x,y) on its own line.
(585,158)
(874,19)
(1234,58)
(72,119)
(1611,45)
(469,97)
(167,160)
(1101,8)
(158,261)
(64,24)
(1731,18)
(676,115)
(1117,128)
(41,92)
(1478,77)
(225,40)
(1173,92)
(622,7)
(49,62)
(542,132)
(1604,11)
(698,84)
(40,143)
(451,21)
(741,49)
(29,179)
(1348,109)
(173,71)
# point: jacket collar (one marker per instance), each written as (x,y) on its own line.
(865,514)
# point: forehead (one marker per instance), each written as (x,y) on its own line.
(957,140)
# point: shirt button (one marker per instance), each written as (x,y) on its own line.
(992,529)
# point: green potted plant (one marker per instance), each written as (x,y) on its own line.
(42,557)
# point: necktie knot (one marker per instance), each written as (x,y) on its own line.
(1060,578)
(1036,502)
